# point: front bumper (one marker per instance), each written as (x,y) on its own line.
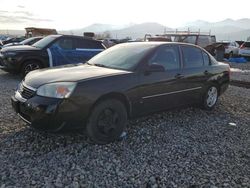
(48,113)
(7,65)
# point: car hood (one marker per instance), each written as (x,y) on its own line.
(19,48)
(73,73)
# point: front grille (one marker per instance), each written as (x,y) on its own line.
(26,92)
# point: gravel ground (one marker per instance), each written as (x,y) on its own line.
(180,148)
(243,66)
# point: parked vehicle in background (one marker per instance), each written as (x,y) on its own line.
(53,50)
(1,44)
(35,32)
(124,81)
(13,40)
(245,49)
(202,39)
(231,48)
(28,41)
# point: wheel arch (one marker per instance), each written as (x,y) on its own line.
(116,95)
(217,84)
(31,59)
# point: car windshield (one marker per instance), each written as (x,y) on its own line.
(122,56)
(44,42)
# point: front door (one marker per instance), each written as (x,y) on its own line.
(158,89)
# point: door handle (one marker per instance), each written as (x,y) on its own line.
(178,76)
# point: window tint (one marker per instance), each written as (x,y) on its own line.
(206,58)
(190,39)
(167,56)
(65,44)
(213,39)
(203,41)
(192,56)
(89,44)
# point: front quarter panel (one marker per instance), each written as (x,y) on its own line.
(88,92)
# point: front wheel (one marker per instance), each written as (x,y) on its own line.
(29,66)
(107,121)
(210,98)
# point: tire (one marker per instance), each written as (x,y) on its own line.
(210,97)
(29,66)
(106,122)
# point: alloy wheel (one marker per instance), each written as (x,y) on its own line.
(212,96)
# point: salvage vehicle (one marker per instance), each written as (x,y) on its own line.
(53,50)
(244,50)
(13,40)
(28,41)
(124,81)
(202,39)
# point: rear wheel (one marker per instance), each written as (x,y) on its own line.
(210,98)
(30,66)
(107,121)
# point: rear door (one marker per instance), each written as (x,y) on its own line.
(195,72)
(87,48)
(61,52)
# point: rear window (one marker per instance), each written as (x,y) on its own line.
(203,41)
(190,39)
(192,57)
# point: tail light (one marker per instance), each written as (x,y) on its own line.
(242,46)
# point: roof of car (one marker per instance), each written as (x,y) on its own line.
(74,36)
(157,43)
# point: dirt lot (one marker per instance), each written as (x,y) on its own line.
(181,148)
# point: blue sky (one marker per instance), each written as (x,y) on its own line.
(17,14)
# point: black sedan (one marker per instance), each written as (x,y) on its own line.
(125,81)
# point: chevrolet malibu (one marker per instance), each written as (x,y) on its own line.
(125,81)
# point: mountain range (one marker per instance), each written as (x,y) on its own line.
(228,29)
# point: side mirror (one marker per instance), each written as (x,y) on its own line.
(154,67)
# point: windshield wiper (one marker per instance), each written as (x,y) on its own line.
(88,63)
(100,65)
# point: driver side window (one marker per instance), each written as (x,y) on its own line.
(167,56)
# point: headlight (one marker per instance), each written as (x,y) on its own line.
(57,90)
